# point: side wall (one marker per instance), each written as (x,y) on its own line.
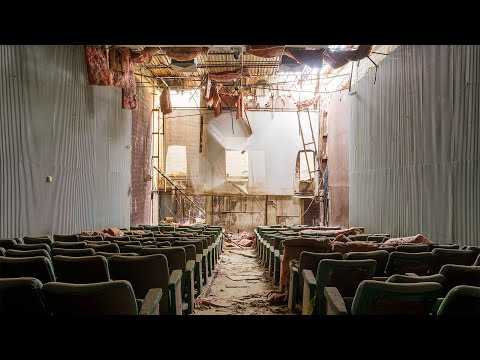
(52,123)
(414,145)
(337,151)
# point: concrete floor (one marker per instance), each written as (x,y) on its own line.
(239,287)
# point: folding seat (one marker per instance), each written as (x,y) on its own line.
(475,249)
(103,242)
(107,255)
(38,267)
(402,262)
(205,256)
(152,227)
(159,234)
(451,256)
(376,238)
(413,248)
(198,260)
(37,240)
(109,248)
(2,251)
(145,234)
(8,243)
(386,236)
(66,238)
(462,300)
(81,270)
(177,260)
(122,244)
(104,298)
(273,253)
(191,255)
(344,275)
(387,248)
(380,256)
(359,237)
(330,228)
(160,244)
(308,261)
(459,275)
(27,253)
(444,246)
(73,252)
(22,296)
(166,228)
(291,248)
(68,245)
(277,253)
(142,239)
(412,278)
(385,298)
(32,247)
(147,272)
(136,248)
(90,238)
(209,253)
(117,238)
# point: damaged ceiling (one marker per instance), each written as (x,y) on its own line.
(314,72)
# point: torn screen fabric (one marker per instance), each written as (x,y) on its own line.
(165,103)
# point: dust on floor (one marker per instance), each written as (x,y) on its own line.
(240,286)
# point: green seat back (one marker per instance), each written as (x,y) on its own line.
(387,298)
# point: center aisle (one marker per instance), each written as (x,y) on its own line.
(240,287)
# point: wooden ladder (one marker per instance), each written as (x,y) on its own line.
(310,171)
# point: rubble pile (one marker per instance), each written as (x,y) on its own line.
(243,239)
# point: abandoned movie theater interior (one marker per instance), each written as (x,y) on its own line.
(284,180)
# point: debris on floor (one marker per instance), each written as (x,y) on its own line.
(240,286)
(243,239)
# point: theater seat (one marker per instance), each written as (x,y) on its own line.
(104,298)
(21,296)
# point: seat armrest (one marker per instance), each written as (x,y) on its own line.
(198,258)
(293,286)
(151,301)
(205,252)
(381,278)
(190,266)
(309,278)
(309,290)
(175,292)
(276,253)
(437,306)
(411,274)
(335,303)
(175,278)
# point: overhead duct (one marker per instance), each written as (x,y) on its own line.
(184,66)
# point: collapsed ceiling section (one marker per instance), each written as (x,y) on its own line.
(251,76)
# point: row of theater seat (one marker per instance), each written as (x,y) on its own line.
(28,296)
(308,280)
(187,266)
